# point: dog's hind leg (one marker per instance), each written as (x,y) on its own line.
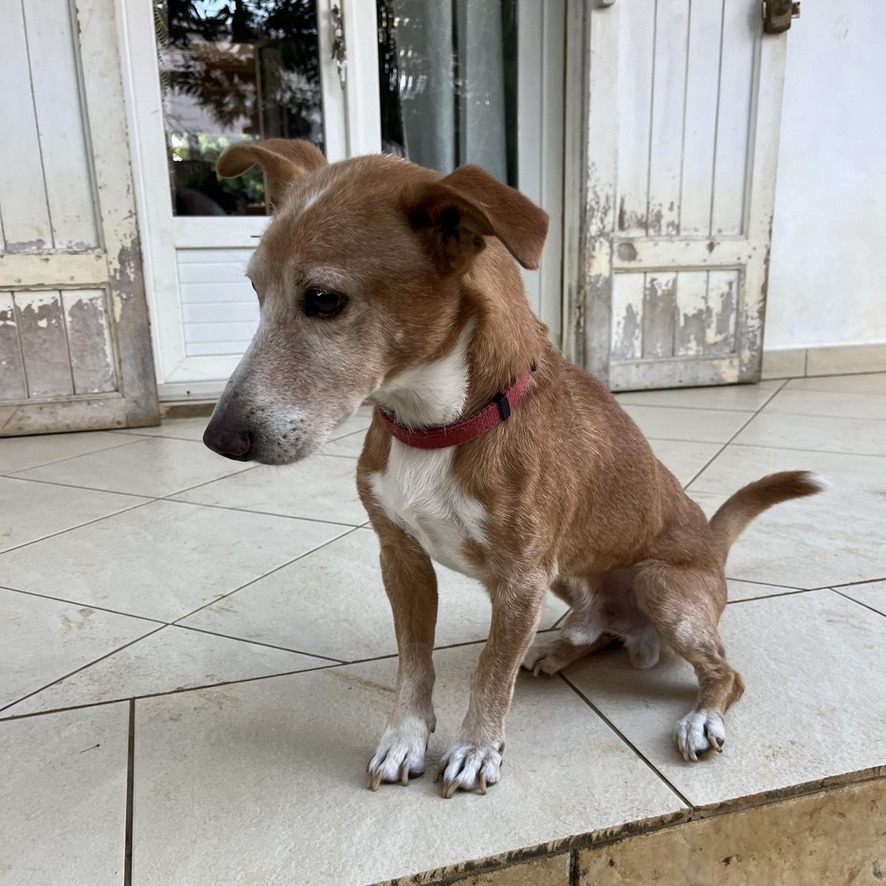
(411,585)
(685,604)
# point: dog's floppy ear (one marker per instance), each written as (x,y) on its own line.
(455,213)
(282,160)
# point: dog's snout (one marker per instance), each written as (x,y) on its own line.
(230,441)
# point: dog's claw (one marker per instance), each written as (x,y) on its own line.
(373,781)
(449,789)
(481,788)
(404,773)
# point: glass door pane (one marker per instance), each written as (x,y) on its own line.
(448,83)
(230,71)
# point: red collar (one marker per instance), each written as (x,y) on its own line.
(495,412)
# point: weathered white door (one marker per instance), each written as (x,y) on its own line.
(684,101)
(75,350)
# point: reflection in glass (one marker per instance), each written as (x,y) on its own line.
(230,71)
(448,83)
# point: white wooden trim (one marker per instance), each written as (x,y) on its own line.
(760,195)
(574,136)
(540,128)
(30,271)
(144,110)
(334,118)
(362,101)
(592,332)
(649,255)
(218,232)
(109,146)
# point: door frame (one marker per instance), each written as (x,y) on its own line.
(352,123)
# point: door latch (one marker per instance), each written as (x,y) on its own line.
(339,47)
(777,15)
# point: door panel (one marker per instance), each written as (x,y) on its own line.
(74,335)
(682,138)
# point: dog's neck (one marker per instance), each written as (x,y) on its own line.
(495,346)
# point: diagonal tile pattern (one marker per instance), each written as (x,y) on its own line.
(223,599)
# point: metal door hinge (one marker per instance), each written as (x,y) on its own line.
(339,47)
(777,15)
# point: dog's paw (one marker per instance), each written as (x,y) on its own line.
(698,732)
(549,658)
(469,766)
(400,753)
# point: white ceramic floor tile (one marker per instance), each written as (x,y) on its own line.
(319,488)
(20,453)
(360,421)
(333,603)
(869,383)
(178,428)
(276,768)
(63,798)
(745,398)
(168,660)
(34,510)
(42,640)
(832,404)
(674,423)
(684,458)
(162,560)
(152,466)
(811,709)
(349,447)
(872,594)
(832,538)
(814,432)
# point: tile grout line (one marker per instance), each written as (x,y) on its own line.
(82,668)
(171,497)
(67,457)
(858,602)
(84,605)
(849,584)
(130,788)
(125,510)
(624,738)
(316,655)
(333,665)
(722,449)
(788,593)
(266,574)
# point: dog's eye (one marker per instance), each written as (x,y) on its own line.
(323,302)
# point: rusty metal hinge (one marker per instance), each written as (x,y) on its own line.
(777,15)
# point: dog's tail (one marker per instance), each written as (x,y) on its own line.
(750,501)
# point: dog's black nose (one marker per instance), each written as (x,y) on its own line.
(231,442)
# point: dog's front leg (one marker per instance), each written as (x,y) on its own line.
(411,585)
(474,760)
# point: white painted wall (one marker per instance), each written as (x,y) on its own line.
(828,269)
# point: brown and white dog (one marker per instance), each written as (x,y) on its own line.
(380,280)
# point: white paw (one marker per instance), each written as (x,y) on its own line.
(469,766)
(643,651)
(699,731)
(548,658)
(400,753)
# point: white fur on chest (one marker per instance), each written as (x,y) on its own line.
(419,492)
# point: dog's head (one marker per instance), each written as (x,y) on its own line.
(358,277)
